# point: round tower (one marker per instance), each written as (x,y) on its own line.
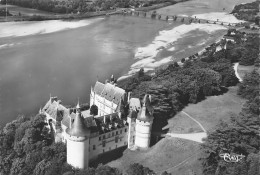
(144,123)
(78,142)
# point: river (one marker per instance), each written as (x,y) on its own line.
(65,58)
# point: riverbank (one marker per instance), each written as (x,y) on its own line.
(55,17)
(28,14)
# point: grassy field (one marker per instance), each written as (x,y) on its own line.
(178,156)
(214,108)
(182,124)
(167,153)
(207,112)
(242,70)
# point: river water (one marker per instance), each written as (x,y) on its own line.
(65,58)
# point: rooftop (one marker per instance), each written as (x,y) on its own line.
(93,123)
(110,92)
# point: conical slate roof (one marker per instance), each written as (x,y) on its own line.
(78,127)
(145,114)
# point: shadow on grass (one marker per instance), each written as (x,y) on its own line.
(108,156)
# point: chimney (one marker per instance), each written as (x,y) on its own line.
(104,119)
(70,122)
(119,115)
(128,98)
(150,98)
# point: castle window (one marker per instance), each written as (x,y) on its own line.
(120,131)
(125,129)
(116,132)
(94,147)
(116,139)
(104,136)
(104,143)
(109,135)
(99,138)
(112,134)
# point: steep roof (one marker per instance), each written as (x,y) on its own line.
(135,104)
(78,127)
(98,88)
(109,91)
(52,106)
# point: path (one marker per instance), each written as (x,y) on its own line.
(197,137)
(195,121)
(237,75)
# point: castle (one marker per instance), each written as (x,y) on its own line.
(88,135)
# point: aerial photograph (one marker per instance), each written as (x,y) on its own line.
(129,87)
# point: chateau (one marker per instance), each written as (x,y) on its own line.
(87,135)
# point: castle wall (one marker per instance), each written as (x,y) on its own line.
(107,142)
(104,106)
(143,134)
(78,153)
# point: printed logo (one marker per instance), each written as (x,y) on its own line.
(231,157)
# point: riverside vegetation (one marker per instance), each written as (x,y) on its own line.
(27,146)
(82,6)
(247,12)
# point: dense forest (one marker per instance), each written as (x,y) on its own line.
(27,148)
(239,136)
(208,74)
(27,145)
(247,12)
(82,6)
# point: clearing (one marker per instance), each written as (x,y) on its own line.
(180,156)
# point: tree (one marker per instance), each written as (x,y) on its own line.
(138,169)
(17,166)
(141,72)
(240,136)
(93,110)
(106,170)
(249,88)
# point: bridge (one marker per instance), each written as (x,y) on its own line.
(177,18)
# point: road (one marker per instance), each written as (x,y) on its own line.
(197,137)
